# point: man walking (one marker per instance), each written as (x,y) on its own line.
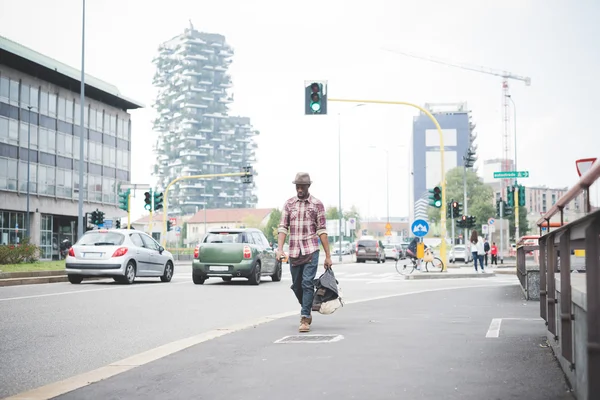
(303,218)
(486,248)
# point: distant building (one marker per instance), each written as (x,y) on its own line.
(39,97)
(454,119)
(196,134)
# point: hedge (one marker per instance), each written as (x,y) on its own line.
(16,254)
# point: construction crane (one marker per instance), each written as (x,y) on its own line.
(505,95)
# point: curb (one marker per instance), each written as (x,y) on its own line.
(33,280)
(31,274)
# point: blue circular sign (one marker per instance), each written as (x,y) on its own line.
(419,228)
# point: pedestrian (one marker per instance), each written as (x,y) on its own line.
(494,254)
(478,249)
(486,248)
(303,219)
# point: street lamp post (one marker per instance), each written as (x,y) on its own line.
(340,177)
(81,130)
(27,222)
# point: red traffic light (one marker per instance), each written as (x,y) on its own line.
(437,190)
(455,204)
(315,87)
(464,217)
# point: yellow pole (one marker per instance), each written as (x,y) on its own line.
(128,210)
(181,178)
(439,129)
(150,224)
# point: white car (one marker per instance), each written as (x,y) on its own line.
(122,254)
(392,251)
(460,253)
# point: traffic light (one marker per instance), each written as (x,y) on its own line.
(510,196)
(169,225)
(94,218)
(462,222)
(118,224)
(124,200)
(508,210)
(158,201)
(148,201)
(248,177)
(100,217)
(435,197)
(521,196)
(472,221)
(498,210)
(315,98)
(469,158)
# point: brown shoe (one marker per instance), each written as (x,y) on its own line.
(304,325)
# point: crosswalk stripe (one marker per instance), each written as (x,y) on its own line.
(359,274)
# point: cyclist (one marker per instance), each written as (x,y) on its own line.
(411,252)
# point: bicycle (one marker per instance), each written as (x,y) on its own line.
(437,265)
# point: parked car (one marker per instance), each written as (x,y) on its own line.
(122,254)
(370,249)
(392,251)
(460,252)
(233,253)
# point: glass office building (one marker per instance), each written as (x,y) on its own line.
(40,128)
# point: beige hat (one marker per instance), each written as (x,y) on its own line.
(302,178)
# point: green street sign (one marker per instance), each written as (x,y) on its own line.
(511,174)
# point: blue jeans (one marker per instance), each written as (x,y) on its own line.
(303,277)
(477,257)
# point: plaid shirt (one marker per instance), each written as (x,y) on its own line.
(304,220)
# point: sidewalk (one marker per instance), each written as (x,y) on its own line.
(431,345)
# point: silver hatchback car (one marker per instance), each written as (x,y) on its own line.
(122,254)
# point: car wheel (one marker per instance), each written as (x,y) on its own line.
(198,279)
(276,277)
(75,279)
(226,278)
(254,278)
(129,273)
(168,274)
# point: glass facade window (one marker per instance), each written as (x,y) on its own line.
(12,227)
(46,180)
(62,108)
(47,140)
(33,97)
(4,88)
(77,115)
(23,133)
(52,105)
(25,92)
(3,129)
(69,111)
(13,131)
(8,174)
(23,177)
(46,237)
(95,187)
(64,183)
(14,92)
(44,102)
(64,145)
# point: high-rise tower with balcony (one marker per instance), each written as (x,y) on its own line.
(196,134)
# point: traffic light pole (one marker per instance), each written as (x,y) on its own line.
(443,211)
(516,213)
(501,231)
(181,178)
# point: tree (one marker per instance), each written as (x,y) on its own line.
(270,230)
(251,221)
(331,213)
(479,196)
(523,223)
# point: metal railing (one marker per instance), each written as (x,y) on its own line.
(555,257)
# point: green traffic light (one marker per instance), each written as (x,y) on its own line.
(315,107)
(438,203)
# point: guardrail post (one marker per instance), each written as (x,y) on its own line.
(592,266)
(566,316)
(543,280)
(551,295)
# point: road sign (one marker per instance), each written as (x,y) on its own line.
(177,229)
(419,228)
(491,221)
(108,223)
(511,174)
(388,226)
(492,228)
(352,223)
(173,221)
(484,228)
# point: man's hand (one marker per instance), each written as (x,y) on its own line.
(328,264)
(280,255)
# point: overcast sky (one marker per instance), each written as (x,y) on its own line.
(279,44)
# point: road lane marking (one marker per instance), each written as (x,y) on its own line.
(87,378)
(494,329)
(37,296)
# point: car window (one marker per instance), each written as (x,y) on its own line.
(149,243)
(100,238)
(136,240)
(259,240)
(367,243)
(226,237)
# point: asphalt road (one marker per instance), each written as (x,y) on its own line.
(425,346)
(54,331)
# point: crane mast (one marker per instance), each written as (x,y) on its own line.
(506,147)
